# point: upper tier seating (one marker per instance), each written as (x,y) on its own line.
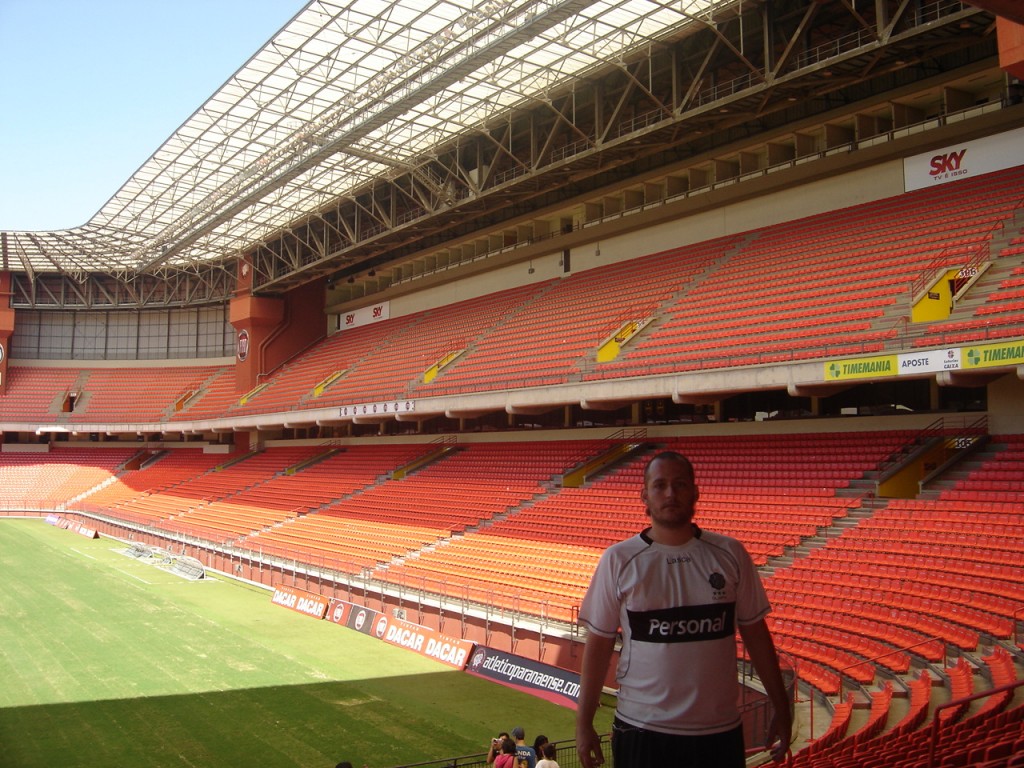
(37,395)
(139,395)
(566,320)
(396,369)
(213,399)
(828,285)
(293,384)
(999,316)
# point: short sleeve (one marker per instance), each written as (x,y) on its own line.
(751,599)
(601,604)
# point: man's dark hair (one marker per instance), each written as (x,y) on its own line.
(668,456)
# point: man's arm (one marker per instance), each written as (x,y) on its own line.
(597,655)
(761,648)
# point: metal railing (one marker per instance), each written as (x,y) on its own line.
(565,756)
(936,727)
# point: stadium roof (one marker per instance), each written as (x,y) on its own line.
(345,93)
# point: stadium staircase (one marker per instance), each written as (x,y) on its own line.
(996,299)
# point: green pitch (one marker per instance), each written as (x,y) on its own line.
(108,661)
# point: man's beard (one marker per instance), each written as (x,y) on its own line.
(675,518)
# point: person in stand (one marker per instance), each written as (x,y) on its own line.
(538,744)
(495,748)
(547,755)
(507,755)
(525,756)
(678,594)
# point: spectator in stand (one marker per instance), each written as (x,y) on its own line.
(678,594)
(548,756)
(495,748)
(525,756)
(507,756)
(538,743)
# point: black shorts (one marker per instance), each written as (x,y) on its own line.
(634,747)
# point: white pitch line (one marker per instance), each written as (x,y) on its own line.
(133,576)
(83,554)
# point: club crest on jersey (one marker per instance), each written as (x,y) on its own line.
(717,582)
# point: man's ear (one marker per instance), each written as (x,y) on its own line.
(643,498)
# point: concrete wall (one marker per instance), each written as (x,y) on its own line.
(1005,401)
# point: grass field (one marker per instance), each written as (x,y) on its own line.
(108,661)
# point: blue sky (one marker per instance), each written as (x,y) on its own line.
(91,88)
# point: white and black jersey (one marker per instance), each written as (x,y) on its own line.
(677,608)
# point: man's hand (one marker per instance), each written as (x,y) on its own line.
(588,746)
(597,654)
(779,735)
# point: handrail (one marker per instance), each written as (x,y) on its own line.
(927,433)
(937,721)
(893,653)
(629,434)
(978,426)
(975,256)
(977,442)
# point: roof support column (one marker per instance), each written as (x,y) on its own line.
(6,327)
(1011,46)
(255,319)
(271,328)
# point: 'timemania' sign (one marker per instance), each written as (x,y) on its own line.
(931,361)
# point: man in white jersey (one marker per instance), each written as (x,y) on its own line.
(678,594)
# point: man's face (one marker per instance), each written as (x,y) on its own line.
(670,493)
